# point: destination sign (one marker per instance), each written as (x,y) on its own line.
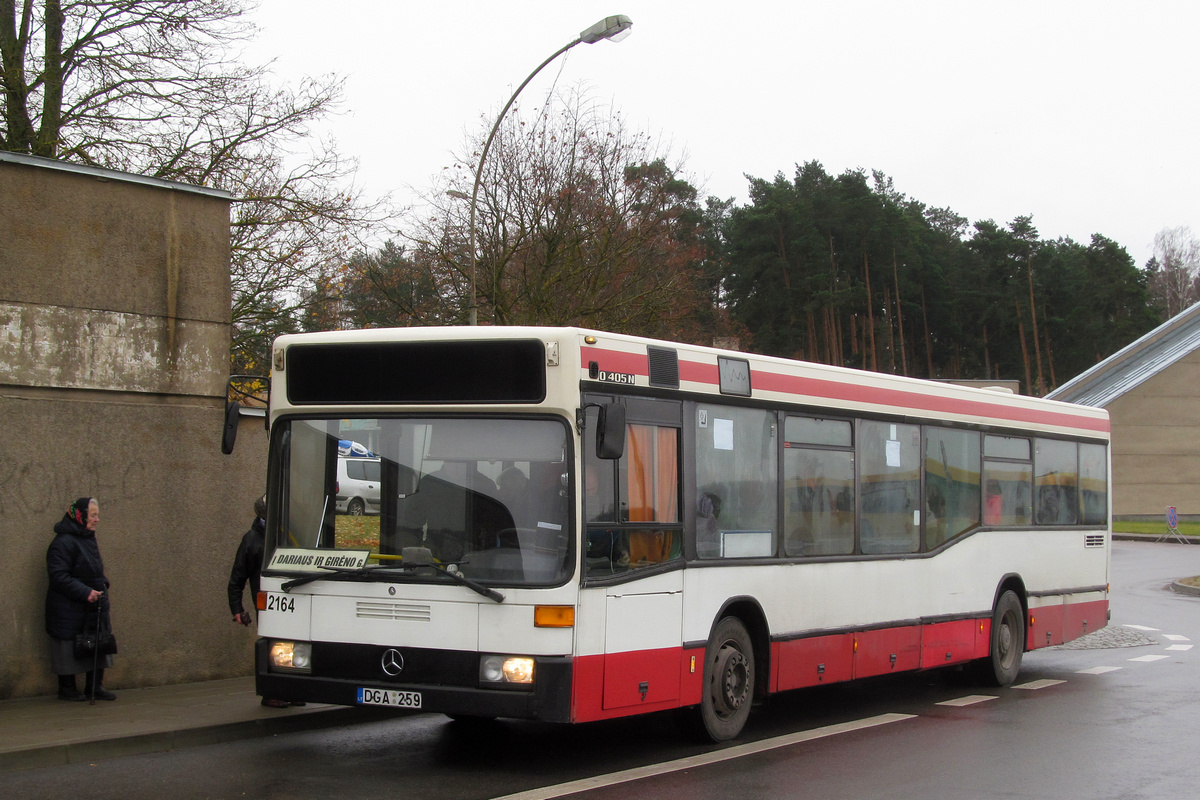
(298,559)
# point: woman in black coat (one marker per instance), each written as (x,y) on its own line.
(75,594)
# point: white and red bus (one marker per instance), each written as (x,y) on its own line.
(578,526)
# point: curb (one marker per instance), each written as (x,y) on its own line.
(1176,586)
(1183,588)
(58,755)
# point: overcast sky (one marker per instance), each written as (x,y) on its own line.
(1083,114)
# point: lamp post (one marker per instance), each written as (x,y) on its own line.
(615,28)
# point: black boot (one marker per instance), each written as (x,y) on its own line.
(67,690)
(94,687)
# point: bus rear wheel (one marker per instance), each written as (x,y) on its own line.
(1007,645)
(728,681)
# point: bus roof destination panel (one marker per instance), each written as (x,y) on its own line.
(419,373)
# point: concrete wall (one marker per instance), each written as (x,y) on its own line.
(114,346)
(1156,444)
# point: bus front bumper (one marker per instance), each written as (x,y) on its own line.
(548,700)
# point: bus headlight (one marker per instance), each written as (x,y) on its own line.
(506,669)
(291,656)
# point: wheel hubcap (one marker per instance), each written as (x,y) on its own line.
(1004,645)
(734,678)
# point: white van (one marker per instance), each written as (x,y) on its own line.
(358,484)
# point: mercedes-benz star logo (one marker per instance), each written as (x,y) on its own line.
(393,662)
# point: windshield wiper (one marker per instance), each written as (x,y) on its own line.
(412,558)
(336,573)
(474,586)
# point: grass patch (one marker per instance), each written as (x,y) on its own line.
(357,533)
(1156,527)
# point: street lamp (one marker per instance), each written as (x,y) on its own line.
(615,28)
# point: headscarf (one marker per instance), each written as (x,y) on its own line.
(75,520)
(78,512)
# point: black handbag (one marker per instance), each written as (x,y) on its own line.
(99,642)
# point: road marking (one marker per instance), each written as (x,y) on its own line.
(969,700)
(753,748)
(1175,637)
(703,759)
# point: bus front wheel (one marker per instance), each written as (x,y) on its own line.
(1007,645)
(728,681)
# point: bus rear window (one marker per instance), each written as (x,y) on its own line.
(417,372)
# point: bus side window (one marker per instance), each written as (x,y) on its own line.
(1093,484)
(1007,480)
(890,488)
(1056,480)
(737,482)
(951,485)
(633,519)
(818,488)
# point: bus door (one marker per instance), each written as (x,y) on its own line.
(642,641)
(633,552)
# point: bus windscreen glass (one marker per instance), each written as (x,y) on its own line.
(487,497)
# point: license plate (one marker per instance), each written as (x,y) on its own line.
(388,697)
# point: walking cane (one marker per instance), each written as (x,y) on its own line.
(96,651)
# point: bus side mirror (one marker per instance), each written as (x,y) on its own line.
(229,435)
(610,431)
(254,388)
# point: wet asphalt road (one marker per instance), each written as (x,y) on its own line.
(1113,720)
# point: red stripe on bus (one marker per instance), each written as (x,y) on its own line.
(609,686)
(1055,624)
(823,389)
(633,682)
(696,372)
(616,361)
(834,390)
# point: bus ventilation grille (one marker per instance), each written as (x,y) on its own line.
(407,612)
(1094,540)
(664,367)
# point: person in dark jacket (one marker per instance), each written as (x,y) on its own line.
(247,566)
(75,595)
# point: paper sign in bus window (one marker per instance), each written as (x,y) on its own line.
(893,453)
(722,434)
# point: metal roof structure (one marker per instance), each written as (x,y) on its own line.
(1132,366)
(104,174)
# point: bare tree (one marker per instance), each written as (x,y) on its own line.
(579,221)
(153,87)
(1174,271)
(112,82)
(289,225)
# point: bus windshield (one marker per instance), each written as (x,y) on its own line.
(488,497)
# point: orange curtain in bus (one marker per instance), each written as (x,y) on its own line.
(639,447)
(666,499)
(652,470)
(652,473)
